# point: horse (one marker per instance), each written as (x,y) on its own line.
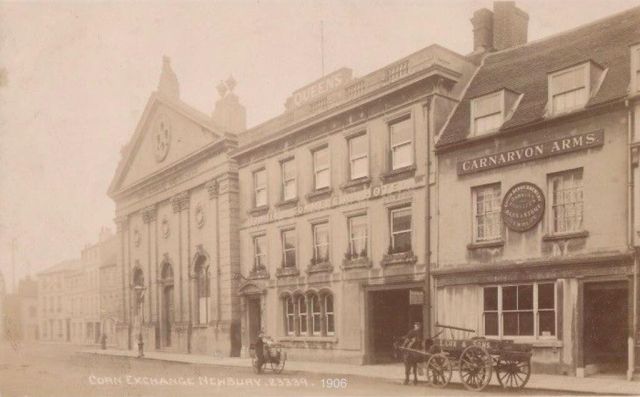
(411,358)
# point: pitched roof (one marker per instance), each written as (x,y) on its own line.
(172,103)
(524,69)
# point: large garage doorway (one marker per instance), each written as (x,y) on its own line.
(605,327)
(392,313)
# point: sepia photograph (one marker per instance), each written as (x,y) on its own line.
(319,198)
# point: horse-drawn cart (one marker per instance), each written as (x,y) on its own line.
(476,358)
(274,357)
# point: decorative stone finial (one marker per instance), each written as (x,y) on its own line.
(222,89)
(231,83)
(168,84)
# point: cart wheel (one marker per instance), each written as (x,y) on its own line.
(278,365)
(513,374)
(439,370)
(476,366)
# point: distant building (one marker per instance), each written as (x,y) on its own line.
(55,285)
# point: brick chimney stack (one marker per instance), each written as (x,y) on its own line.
(482,30)
(510,25)
(228,112)
(503,28)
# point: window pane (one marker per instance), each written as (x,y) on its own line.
(525,323)
(288,170)
(261,197)
(491,323)
(568,81)
(401,220)
(358,146)
(509,298)
(510,326)
(322,179)
(525,297)
(491,298)
(260,178)
(487,105)
(401,156)
(359,168)
(546,296)
(547,323)
(321,158)
(401,132)
(289,190)
(402,242)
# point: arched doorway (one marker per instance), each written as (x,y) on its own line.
(167,304)
(202,289)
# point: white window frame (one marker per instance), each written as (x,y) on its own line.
(329,313)
(316,316)
(353,158)
(586,74)
(635,69)
(392,147)
(474,202)
(475,117)
(290,180)
(536,312)
(257,256)
(260,189)
(551,228)
(290,316)
(303,318)
(393,233)
(316,246)
(285,249)
(317,170)
(350,231)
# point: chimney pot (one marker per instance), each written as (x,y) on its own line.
(510,25)
(482,22)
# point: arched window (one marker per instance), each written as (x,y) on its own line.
(203,292)
(316,316)
(138,282)
(290,313)
(302,313)
(330,325)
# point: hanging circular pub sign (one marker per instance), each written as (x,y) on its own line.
(523,207)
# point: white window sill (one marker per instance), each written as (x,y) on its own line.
(293,338)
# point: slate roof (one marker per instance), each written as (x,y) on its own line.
(524,69)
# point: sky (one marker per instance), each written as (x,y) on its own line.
(75,77)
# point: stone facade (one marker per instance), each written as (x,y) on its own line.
(303,281)
(555,268)
(176,194)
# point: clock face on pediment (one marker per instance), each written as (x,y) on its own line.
(161,137)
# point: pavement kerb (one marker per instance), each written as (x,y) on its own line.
(555,384)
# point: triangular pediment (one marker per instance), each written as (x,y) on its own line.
(168,132)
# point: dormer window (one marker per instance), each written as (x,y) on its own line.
(635,69)
(571,88)
(490,111)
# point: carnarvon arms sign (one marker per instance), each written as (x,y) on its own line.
(532,152)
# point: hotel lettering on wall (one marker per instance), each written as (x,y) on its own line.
(523,207)
(533,152)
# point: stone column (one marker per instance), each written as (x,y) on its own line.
(180,203)
(149,219)
(214,270)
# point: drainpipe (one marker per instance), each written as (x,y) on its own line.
(630,241)
(427,221)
